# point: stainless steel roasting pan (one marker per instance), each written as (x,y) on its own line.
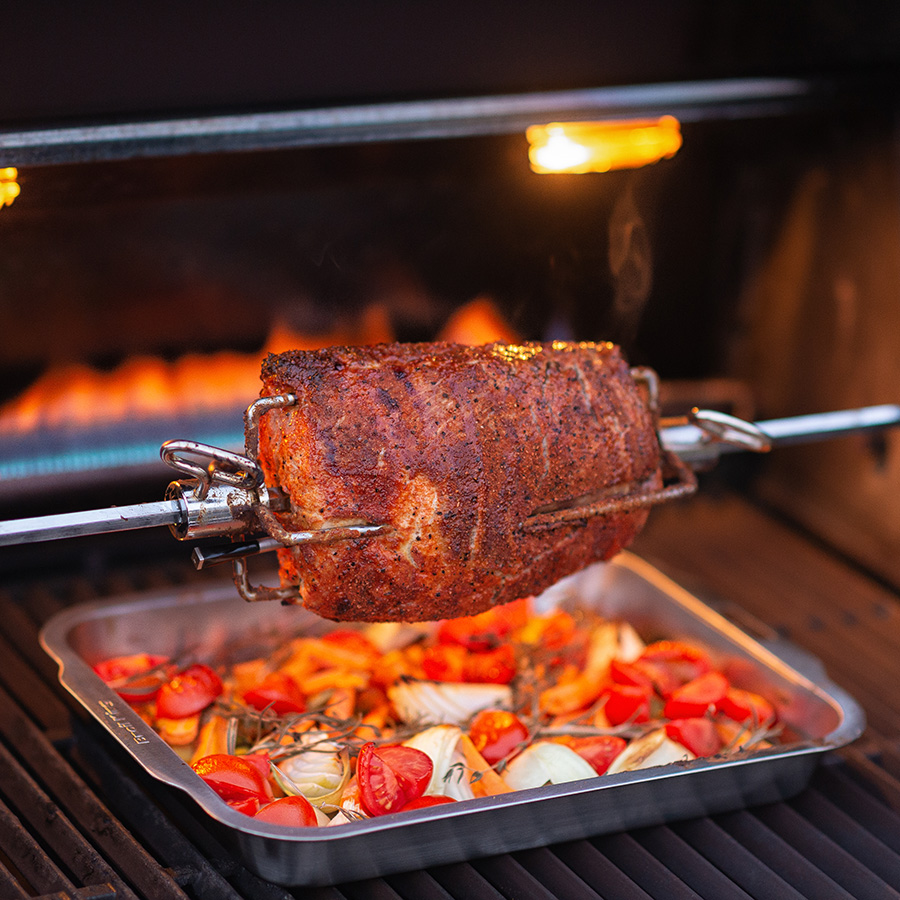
(818,717)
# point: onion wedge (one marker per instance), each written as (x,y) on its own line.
(546,762)
(653,749)
(450,775)
(446,703)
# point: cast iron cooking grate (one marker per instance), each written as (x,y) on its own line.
(79,820)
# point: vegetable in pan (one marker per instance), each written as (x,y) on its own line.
(354,724)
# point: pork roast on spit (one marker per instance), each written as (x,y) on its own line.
(466,453)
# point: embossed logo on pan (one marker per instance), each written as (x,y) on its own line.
(120,721)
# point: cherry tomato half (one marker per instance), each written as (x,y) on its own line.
(294,811)
(627,703)
(124,675)
(491,666)
(444,662)
(697,696)
(453,662)
(234,779)
(278,692)
(259,761)
(189,692)
(744,706)
(487,630)
(644,673)
(599,750)
(348,639)
(697,734)
(249,806)
(683,661)
(390,777)
(496,733)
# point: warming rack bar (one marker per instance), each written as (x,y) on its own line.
(409,120)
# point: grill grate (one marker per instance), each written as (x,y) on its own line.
(79,820)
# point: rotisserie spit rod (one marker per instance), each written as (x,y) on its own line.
(698,442)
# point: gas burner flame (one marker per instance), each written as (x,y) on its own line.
(78,396)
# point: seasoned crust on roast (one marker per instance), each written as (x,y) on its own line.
(454,447)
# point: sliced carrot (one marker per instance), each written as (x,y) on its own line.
(569,674)
(246,675)
(300,664)
(178,732)
(341,703)
(213,738)
(735,736)
(574,695)
(373,723)
(600,719)
(330,679)
(395,664)
(490,782)
(329,655)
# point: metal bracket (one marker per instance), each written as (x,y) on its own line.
(726,429)
(625,498)
(222,466)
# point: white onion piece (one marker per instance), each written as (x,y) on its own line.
(339,818)
(450,775)
(630,644)
(653,749)
(602,650)
(321,818)
(546,763)
(446,703)
(319,772)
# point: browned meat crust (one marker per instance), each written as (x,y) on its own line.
(454,447)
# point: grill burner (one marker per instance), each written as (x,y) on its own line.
(78,820)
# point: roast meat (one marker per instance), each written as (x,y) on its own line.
(459,450)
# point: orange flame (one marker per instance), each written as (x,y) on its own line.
(146,387)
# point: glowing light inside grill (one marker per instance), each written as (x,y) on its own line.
(578,147)
(9,186)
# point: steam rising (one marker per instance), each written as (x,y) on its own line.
(630,264)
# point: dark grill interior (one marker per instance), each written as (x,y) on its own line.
(79,820)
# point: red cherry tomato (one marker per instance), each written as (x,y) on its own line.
(683,661)
(278,692)
(627,703)
(487,630)
(426,801)
(628,673)
(259,761)
(249,806)
(599,750)
(697,734)
(557,629)
(644,673)
(491,666)
(188,693)
(444,662)
(452,662)
(233,778)
(294,811)
(697,696)
(496,733)
(123,675)
(744,706)
(391,777)
(348,639)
